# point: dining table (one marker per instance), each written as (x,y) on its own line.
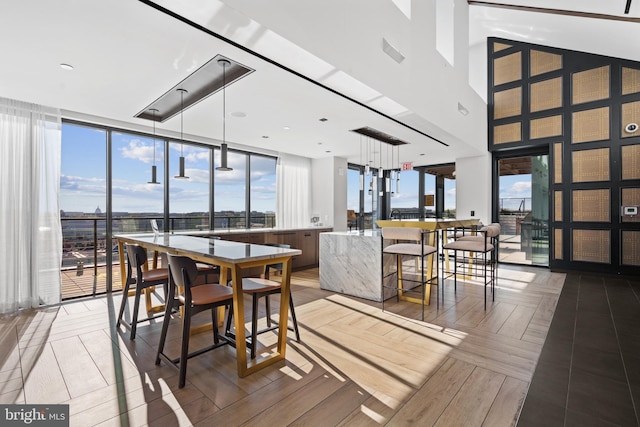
(232,258)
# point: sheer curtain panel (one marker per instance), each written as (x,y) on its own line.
(30,230)
(293,186)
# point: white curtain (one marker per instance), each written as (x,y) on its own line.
(30,230)
(293,184)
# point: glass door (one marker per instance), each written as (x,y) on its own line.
(523,209)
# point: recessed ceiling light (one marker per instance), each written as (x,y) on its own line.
(66,66)
(323,119)
(286,128)
(239,114)
(422,154)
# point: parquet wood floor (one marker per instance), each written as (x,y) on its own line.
(355,366)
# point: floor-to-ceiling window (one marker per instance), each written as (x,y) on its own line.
(136,200)
(83,189)
(189,196)
(263,191)
(363,195)
(243,197)
(230,192)
(449,198)
(405,200)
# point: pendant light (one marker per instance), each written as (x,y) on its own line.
(392,172)
(181,174)
(398,174)
(367,167)
(387,178)
(361,170)
(224,63)
(154,175)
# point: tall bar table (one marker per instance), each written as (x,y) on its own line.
(230,256)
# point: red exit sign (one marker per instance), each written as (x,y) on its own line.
(407,166)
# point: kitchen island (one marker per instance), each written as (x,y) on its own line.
(351,262)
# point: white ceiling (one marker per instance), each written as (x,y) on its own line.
(126,54)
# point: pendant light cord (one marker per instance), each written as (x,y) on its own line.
(224,102)
(182,91)
(154,136)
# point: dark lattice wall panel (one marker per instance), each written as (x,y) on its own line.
(583,110)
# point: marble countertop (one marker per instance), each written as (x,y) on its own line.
(359,233)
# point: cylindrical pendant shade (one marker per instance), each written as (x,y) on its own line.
(181,174)
(154,175)
(223,159)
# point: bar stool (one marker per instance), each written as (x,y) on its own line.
(195,299)
(136,259)
(484,243)
(263,287)
(207,269)
(409,242)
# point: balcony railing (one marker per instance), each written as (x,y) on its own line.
(84,244)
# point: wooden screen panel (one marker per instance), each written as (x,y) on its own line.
(630,80)
(544,62)
(507,103)
(507,68)
(590,125)
(497,47)
(630,247)
(545,127)
(557,243)
(511,132)
(631,161)
(557,206)
(545,95)
(590,85)
(630,114)
(557,163)
(630,197)
(590,165)
(591,205)
(591,246)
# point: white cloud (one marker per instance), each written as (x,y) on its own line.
(137,149)
(518,189)
(196,156)
(81,185)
